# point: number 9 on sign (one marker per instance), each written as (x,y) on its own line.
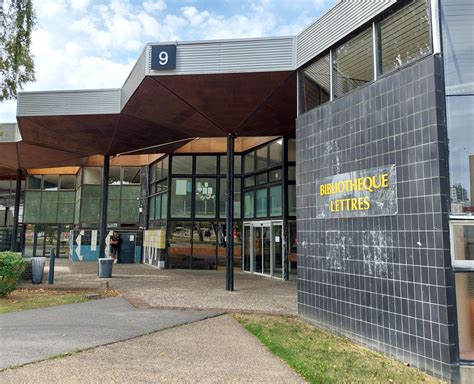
(163,58)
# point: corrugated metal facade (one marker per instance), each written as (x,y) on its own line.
(87,102)
(134,79)
(9,132)
(341,20)
(246,55)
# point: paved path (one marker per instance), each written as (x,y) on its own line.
(146,286)
(215,350)
(40,333)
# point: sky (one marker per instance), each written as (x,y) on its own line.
(82,44)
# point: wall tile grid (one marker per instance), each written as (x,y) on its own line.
(383,281)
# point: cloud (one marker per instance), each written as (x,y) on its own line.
(94,44)
(80,5)
(154,6)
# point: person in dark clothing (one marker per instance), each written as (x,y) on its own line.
(114,243)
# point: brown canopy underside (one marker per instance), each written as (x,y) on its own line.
(163,109)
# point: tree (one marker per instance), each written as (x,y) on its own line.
(17,22)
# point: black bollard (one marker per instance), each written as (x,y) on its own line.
(52,256)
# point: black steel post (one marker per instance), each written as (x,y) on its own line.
(103,206)
(230,214)
(51,267)
(16,212)
(5,221)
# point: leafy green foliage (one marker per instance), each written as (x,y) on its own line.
(18,21)
(11,267)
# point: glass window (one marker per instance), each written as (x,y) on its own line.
(276,208)
(262,157)
(458,45)
(276,153)
(181,192)
(131,175)
(157,207)
(460,119)
(32,207)
(464,301)
(50,182)
(34,181)
(205,245)
(292,200)
(182,165)
(165,163)
(237,165)
(156,172)
(206,165)
(404,36)
(261,202)
(179,250)
(114,175)
(249,181)
(292,173)
(275,175)
(292,150)
(462,240)
(151,208)
(164,206)
(49,208)
(261,178)
(223,197)
(93,175)
(314,86)
(353,63)
(248,204)
(249,162)
(205,197)
(68,182)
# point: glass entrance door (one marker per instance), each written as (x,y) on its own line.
(266,249)
(263,248)
(247,247)
(257,249)
(277,241)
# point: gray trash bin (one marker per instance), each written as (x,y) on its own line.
(37,269)
(105,267)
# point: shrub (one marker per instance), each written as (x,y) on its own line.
(11,267)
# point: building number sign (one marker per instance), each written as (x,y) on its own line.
(163,57)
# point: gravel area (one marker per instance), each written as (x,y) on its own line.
(145,286)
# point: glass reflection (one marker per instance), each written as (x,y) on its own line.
(460,118)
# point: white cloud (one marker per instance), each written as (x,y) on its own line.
(80,5)
(154,6)
(94,44)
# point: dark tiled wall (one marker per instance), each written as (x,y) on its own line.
(383,281)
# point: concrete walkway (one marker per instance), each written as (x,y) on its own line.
(147,287)
(36,334)
(216,350)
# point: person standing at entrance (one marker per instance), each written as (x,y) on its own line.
(114,243)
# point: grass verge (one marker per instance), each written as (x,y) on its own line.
(320,357)
(23,299)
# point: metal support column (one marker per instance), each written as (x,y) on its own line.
(103,206)
(16,212)
(230,214)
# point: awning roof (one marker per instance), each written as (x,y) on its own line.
(168,108)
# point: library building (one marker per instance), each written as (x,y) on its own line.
(338,157)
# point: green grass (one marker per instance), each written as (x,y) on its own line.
(24,299)
(320,357)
